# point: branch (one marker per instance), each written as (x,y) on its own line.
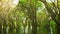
(49,9)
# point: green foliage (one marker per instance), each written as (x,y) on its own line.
(21,18)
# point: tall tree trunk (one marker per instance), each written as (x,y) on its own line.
(58,27)
(34,21)
(0,28)
(29,28)
(34,28)
(32,16)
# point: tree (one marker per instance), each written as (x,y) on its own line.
(53,9)
(5,9)
(31,12)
